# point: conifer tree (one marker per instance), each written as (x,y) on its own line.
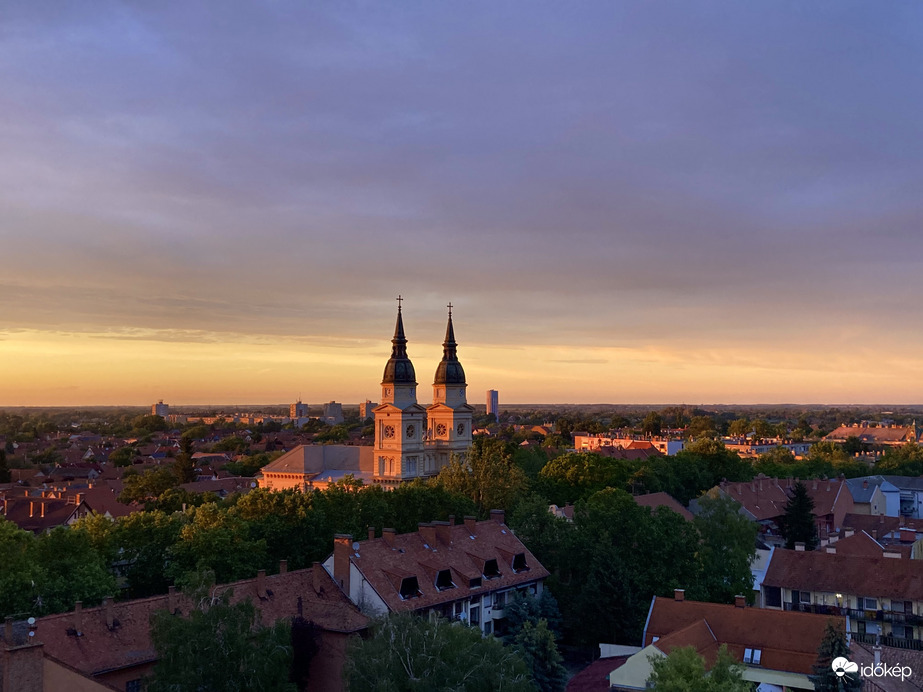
(797,525)
(834,646)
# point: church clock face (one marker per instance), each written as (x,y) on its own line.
(441,429)
(389,431)
(410,430)
(461,428)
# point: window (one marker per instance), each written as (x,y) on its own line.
(444,580)
(897,606)
(474,615)
(410,588)
(412,466)
(773,596)
(519,563)
(499,600)
(805,596)
(491,569)
(488,627)
(474,583)
(870,603)
(753,656)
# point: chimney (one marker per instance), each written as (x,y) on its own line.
(875,534)
(31,508)
(171,599)
(497,515)
(342,549)
(107,609)
(8,631)
(679,595)
(443,532)
(740,601)
(470,524)
(371,533)
(389,536)
(43,510)
(849,532)
(316,576)
(877,651)
(814,487)
(865,484)
(427,533)
(78,618)
(799,546)
(261,584)
(451,520)
(283,566)
(831,550)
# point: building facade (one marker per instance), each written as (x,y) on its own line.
(160,409)
(411,440)
(298,410)
(493,402)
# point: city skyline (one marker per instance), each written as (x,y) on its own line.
(626,202)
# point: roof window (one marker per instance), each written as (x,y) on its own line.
(753,656)
(410,588)
(474,583)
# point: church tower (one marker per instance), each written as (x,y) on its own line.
(449,417)
(399,420)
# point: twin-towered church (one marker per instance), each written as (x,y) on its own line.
(411,440)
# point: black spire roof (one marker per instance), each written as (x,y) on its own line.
(399,369)
(450,371)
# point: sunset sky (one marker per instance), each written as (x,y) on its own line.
(626,201)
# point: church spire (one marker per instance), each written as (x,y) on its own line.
(450,371)
(399,369)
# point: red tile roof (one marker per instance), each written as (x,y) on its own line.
(128,643)
(654,500)
(817,570)
(38,514)
(765,498)
(788,640)
(595,677)
(465,551)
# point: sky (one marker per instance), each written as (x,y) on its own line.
(626,201)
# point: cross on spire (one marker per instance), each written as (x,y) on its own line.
(399,299)
(449,306)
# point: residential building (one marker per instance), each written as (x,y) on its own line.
(763,500)
(880,591)
(751,447)
(41,514)
(298,410)
(161,409)
(776,648)
(597,443)
(874,434)
(109,647)
(412,441)
(459,571)
(333,413)
(367,410)
(911,495)
(874,495)
(493,402)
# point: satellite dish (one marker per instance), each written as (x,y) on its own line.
(356,546)
(31,621)
(31,634)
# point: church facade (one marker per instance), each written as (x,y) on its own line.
(412,440)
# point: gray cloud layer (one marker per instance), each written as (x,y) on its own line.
(712,169)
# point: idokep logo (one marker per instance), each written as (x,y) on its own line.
(841,666)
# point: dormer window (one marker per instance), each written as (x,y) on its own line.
(491,569)
(519,563)
(444,580)
(410,588)
(474,583)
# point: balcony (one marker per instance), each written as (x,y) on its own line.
(887,640)
(867,615)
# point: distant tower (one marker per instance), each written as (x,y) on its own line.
(160,409)
(449,418)
(298,410)
(493,403)
(333,413)
(399,420)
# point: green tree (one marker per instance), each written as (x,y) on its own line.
(726,549)
(797,524)
(683,670)
(832,646)
(576,476)
(486,474)
(408,653)
(536,644)
(147,486)
(184,466)
(652,424)
(5,475)
(220,647)
(72,570)
(19,571)
(906,460)
(123,456)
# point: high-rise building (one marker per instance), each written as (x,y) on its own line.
(160,409)
(298,410)
(367,410)
(333,413)
(493,402)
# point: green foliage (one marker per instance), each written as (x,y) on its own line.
(683,670)
(652,424)
(147,486)
(5,475)
(250,466)
(220,647)
(72,570)
(906,460)
(148,424)
(123,456)
(832,646)
(726,549)
(184,466)
(409,653)
(536,644)
(522,608)
(196,432)
(333,435)
(487,475)
(18,570)
(797,524)
(231,443)
(576,476)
